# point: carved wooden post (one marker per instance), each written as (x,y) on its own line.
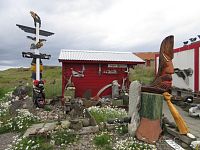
(150,113)
(151,109)
(151,105)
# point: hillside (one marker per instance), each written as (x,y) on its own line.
(11,78)
(20,76)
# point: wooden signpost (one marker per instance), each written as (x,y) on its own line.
(38,84)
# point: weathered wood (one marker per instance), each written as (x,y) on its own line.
(183,138)
(151,105)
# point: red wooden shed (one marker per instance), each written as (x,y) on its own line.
(92,70)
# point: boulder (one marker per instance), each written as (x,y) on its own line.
(22,91)
(195,111)
(76,124)
(89,130)
(65,124)
(134,106)
(195,144)
(40,128)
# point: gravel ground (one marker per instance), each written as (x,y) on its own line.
(6,139)
(85,142)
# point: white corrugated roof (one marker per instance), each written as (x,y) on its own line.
(91,55)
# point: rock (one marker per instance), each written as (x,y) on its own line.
(195,111)
(102,126)
(22,91)
(91,118)
(184,145)
(65,124)
(89,130)
(40,128)
(28,102)
(134,102)
(14,106)
(110,127)
(77,108)
(85,122)
(134,97)
(115,89)
(24,106)
(76,124)
(195,144)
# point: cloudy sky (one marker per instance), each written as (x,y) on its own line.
(114,25)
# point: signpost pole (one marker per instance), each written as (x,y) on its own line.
(37,53)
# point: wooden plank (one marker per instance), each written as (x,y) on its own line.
(182,137)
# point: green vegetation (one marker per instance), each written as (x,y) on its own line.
(31,143)
(132,144)
(122,129)
(59,138)
(14,77)
(103,141)
(4,90)
(102,114)
(63,137)
(20,123)
(143,74)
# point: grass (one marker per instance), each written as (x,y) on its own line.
(11,78)
(103,114)
(143,74)
(122,129)
(19,76)
(103,141)
(64,137)
(27,143)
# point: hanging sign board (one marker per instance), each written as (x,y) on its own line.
(117,66)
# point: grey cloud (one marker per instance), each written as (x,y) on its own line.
(80,24)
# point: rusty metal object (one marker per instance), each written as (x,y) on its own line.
(163,79)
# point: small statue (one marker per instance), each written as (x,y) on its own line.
(36,46)
(36,18)
(163,79)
